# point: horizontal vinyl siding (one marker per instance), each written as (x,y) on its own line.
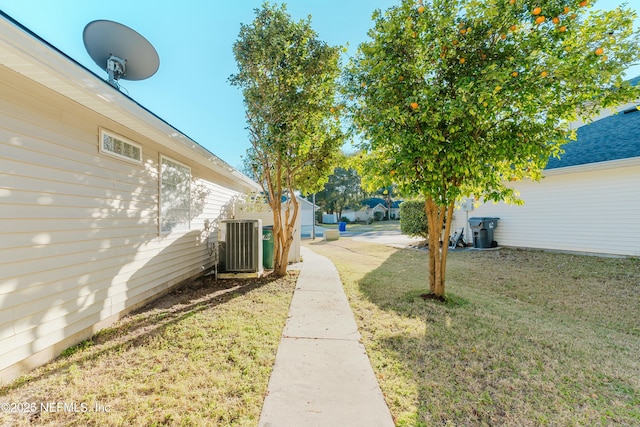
(595,211)
(80,239)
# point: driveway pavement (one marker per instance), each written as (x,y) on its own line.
(387,237)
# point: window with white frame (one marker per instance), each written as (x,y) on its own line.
(118,146)
(175,195)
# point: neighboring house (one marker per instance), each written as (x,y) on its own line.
(589,200)
(394,212)
(349,214)
(375,204)
(103,205)
(366,212)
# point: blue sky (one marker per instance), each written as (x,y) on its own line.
(194,40)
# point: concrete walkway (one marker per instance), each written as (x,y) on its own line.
(322,376)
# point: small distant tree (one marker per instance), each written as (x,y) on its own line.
(454,98)
(413,219)
(342,190)
(289,82)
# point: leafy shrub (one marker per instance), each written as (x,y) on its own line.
(413,219)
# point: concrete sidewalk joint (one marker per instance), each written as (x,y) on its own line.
(322,375)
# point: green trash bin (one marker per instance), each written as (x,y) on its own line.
(267,247)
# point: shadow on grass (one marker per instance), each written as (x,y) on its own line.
(504,351)
(397,285)
(141,325)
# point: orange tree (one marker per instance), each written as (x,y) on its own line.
(289,79)
(453,98)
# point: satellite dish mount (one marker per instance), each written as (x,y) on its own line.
(120,51)
(116,67)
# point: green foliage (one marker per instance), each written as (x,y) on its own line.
(340,191)
(469,94)
(459,97)
(413,219)
(289,81)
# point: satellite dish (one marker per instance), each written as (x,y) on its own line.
(120,51)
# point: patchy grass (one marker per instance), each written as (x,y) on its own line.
(201,355)
(526,338)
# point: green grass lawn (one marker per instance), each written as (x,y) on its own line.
(528,338)
(201,355)
(374,226)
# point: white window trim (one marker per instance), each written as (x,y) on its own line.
(101,149)
(160,199)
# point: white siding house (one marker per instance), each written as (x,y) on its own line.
(589,200)
(103,206)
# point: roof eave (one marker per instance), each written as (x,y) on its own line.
(26,53)
(589,167)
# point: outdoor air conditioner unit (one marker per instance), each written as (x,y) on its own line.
(243,246)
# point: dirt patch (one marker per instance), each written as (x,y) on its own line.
(433,297)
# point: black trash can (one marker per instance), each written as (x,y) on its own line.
(482,230)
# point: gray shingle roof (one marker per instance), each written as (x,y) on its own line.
(612,138)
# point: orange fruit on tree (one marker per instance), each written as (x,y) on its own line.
(414,105)
(421,9)
(556,20)
(462,60)
(540,19)
(599,51)
(544,74)
(513,28)
(536,11)
(503,36)
(566,10)
(583,3)
(514,74)
(463,31)
(512,1)
(563,29)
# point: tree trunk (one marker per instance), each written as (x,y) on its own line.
(287,225)
(439,226)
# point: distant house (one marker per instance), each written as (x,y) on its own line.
(589,199)
(103,205)
(367,211)
(394,212)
